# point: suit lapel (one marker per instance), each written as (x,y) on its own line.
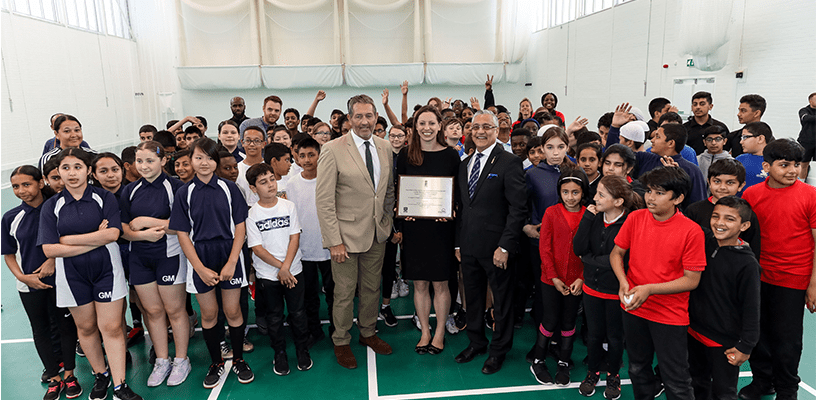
(355,155)
(491,161)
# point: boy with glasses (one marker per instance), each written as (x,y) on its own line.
(714,138)
(755,136)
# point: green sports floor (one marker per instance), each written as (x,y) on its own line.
(402,375)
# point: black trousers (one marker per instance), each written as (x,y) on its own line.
(477,273)
(644,338)
(42,311)
(525,279)
(313,271)
(561,311)
(712,377)
(775,359)
(604,322)
(389,269)
(535,276)
(278,295)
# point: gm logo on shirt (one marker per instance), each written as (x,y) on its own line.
(273,223)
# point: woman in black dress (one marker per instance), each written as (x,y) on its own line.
(428,245)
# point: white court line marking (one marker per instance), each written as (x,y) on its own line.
(216,391)
(371,362)
(12,341)
(807,387)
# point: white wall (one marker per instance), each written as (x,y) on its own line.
(603,59)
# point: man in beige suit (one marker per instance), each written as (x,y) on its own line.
(355,206)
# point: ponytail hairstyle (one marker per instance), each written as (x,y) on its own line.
(575,175)
(619,188)
(35,174)
(77,152)
(153,147)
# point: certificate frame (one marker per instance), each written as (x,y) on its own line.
(425,197)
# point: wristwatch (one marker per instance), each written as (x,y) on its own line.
(502,250)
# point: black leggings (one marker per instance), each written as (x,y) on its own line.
(604,321)
(41,308)
(560,312)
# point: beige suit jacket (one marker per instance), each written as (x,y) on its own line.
(349,210)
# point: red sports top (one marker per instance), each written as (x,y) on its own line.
(555,245)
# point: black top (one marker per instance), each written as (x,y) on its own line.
(725,305)
(732,143)
(700,212)
(593,243)
(696,140)
(807,117)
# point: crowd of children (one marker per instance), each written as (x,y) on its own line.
(674,239)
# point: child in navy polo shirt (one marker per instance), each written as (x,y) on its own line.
(79,228)
(35,281)
(273,234)
(654,291)
(724,309)
(786,209)
(209,215)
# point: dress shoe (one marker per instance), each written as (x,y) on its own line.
(755,391)
(345,357)
(492,365)
(378,345)
(468,354)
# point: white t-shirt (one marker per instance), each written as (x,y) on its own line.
(250,196)
(271,228)
(302,192)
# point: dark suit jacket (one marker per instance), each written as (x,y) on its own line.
(497,212)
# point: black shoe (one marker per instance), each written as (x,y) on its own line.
(72,388)
(124,393)
(213,375)
(659,389)
(388,317)
(100,387)
(562,375)
(755,391)
(540,372)
(55,388)
(241,368)
(79,351)
(460,319)
(281,363)
(613,387)
(304,361)
(468,354)
(587,387)
(135,335)
(44,378)
(492,365)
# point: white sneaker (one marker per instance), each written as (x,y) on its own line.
(161,369)
(395,289)
(226,351)
(450,325)
(181,368)
(403,288)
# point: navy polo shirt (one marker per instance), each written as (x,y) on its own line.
(239,154)
(21,225)
(155,200)
(208,211)
(63,215)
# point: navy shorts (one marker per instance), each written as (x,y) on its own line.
(94,276)
(214,255)
(165,271)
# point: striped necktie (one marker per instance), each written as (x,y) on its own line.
(474,174)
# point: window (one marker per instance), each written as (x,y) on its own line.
(551,13)
(117,18)
(42,9)
(82,14)
(101,16)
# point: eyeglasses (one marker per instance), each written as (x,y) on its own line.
(379,131)
(746,137)
(477,128)
(322,133)
(717,139)
(253,141)
(398,136)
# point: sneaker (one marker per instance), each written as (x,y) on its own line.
(613,387)
(134,336)
(395,289)
(181,368)
(226,351)
(461,319)
(124,393)
(659,389)
(248,346)
(79,351)
(388,317)
(755,391)
(72,388)
(304,360)
(100,387)
(587,387)
(403,288)
(241,368)
(193,321)
(44,378)
(161,369)
(540,372)
(55,388)
(415,319)
(281,363)
(562,376)
(213,375)
(450,325)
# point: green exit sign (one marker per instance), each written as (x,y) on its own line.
(690,62)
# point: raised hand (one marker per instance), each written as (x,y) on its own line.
(385,97)
(404,88)
(320,95)
(489,82)
(474,102)
(621,115)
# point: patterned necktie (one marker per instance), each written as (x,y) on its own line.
(474,174)
(369,161)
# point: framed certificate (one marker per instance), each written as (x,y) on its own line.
(425,197)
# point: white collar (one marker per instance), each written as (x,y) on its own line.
(487,151)
(358,141)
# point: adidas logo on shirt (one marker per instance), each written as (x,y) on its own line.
(273,223)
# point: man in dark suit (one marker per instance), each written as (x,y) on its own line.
(493,210)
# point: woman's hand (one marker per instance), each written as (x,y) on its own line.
(561,287)
(577,287)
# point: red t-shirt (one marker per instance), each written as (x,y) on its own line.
(555,246)
(660,252)
(786,219)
